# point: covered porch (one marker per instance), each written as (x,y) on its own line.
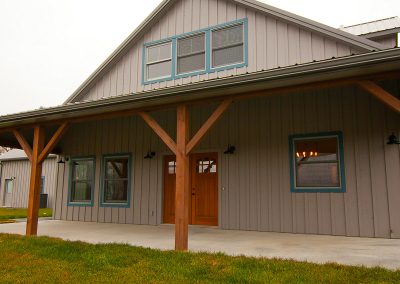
(40,132)
(311,248)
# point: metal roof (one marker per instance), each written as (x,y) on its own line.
(373,26)
(332,69)
(17,154)
(353,40)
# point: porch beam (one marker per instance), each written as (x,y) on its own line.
(207,125)
(23,143)
(159,131)
(298,88)
(53,141)
(34,186)
(182,180)
(381,94)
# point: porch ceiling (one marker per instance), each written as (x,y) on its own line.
(326,73)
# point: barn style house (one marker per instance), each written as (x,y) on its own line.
(227,113)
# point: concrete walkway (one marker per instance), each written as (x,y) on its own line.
(313,248)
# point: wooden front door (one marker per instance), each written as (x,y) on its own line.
(203,207)
(204,181)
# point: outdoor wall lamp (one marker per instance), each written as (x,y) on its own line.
(230,150)
(61,161)
(393,140)
(150,155)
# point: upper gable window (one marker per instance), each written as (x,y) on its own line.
(191,54)
(227,46)
(159,61)
(204,51)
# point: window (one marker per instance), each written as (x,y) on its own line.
(172,167)
(199,52)
(9,186)
(42,182)
(159,61)
(116,181)
(191,54)
(317,163)
(206,166)
(81,181)
(227,46)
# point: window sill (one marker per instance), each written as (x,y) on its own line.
(115,205)
(318,190)
(80,204)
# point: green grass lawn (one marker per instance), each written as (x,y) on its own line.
(48,260)
(16,213)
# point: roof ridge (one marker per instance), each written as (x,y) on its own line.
(374,21)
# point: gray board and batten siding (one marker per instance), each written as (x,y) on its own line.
(272,43)
(256,179)
(20,170)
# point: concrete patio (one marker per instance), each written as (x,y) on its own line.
(313,248)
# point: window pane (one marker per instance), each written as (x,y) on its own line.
(227,37)
(165,51)
(191,63)
(206,166)
(158,70)
(42,181)
(83,170)
(316,150)
(116,191)
(81,191)
(317,175)
(117,168)
(9,186)
(152,53)
(226,56)
(189,45)
(172,167)
(159,52)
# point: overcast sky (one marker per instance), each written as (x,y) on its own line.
(48,48)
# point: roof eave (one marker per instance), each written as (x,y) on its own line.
(359,65)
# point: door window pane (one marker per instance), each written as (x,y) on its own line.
(172,167)
(206,166)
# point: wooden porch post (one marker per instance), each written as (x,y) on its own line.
(34,186)
(182,180)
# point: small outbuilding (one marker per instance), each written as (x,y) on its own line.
(14,180)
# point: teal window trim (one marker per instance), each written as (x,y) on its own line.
(71,164)
(208,49)
(103,168)
(339,138)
